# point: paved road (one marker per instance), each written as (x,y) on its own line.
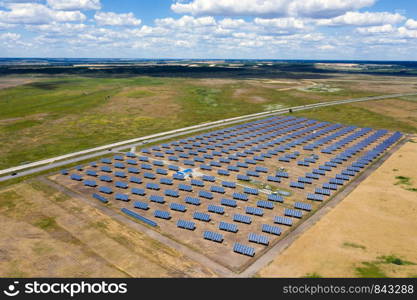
(63,160)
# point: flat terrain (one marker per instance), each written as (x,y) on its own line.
(63,114)
(371,233)
(50,234)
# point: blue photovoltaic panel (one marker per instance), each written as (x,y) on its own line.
(192,200)
(283,220)
(158,163)
(133,170)
(242,218)
(166,181)
(135,180)
(119,165)
(205,194)
(177,176)
(293,213)
(140,192)
(186,224)
(228,202)
(228,227)
(141,205)
(303,206)
(275,198)
(213,236)
(105,178)
(251,191)
(122,197)
(242,177)
(243,249)
(173,168)
(131,162)
(229,184)
(254,211)
(273,179)
(162,214)
(91,173)
(120,174)
(172,193)
(201,216)
(106,160)
(121,184)
(315,197)
(118,157)
(105,189)
(197,182)
(130,154)
(64,172)
(91,183)
(76,177)
(157,199)
(265,204)
(208,178)
(178,207)
(271,229)
(152,186)
(259,239)
(139,217)
(143,158)
(185,187)
(216,209)
(240,196)
(101,198)
(149,175)
(217,189)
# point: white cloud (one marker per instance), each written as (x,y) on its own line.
(9,36)
(407,33)
(113,19)
(74,4)
(281,23)
(186,22)
(387,28)
(326,47)
(363,19)
(411,24)
(33,13)
(308,8)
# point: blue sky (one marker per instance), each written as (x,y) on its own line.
(261,29)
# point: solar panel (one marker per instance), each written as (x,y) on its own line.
(105,189)
(251,191)
(303,206)
(213,236)
(283,220)
(243,249)
(120,184)
(201,216)
(242,218)
(240,196)
(228,227)
(166,181)
(106,160)
(149,175)
(172,193)
(216,209)
(208,178)
(153,186)
(197,182)
(143,158)
(293,213)
(161,171)
(101,198)
(186,224)
(217,189)
(162,214)
(119,165)
(315,197)
(178,176)
(242,177)
(140,192)
(275,198)
(91,173)
(133,170)
(64,172)
(158,163)
(254,211)
(271,229)
(139,217)
(105,178)
(178,207)
(173,168)
(122,197)
(135,180)
(205,194)
(228,202)
(76,177)
(265,204)
(120,174)
(192,200)
(273,179)
(118,157)
(141,205)
(259,239)
(90,183)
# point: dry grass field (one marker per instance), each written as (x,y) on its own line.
(371,233)
(50,234)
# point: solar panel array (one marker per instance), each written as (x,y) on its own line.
(251,162)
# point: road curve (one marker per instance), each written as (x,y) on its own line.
(62,160)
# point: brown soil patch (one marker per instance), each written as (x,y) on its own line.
(378,215)
(216,81)
(6,82)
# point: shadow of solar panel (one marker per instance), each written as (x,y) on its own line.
(242,219)
(141,205)
(213,236)
(243,249)
(186,224)
(139,217)
(100,198)
(271,229)
(228,227)
(259,239)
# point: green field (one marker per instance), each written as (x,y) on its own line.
(60,115)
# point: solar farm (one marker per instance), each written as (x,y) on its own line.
(233,193)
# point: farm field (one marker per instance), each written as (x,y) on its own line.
(371,233)
(53,116)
